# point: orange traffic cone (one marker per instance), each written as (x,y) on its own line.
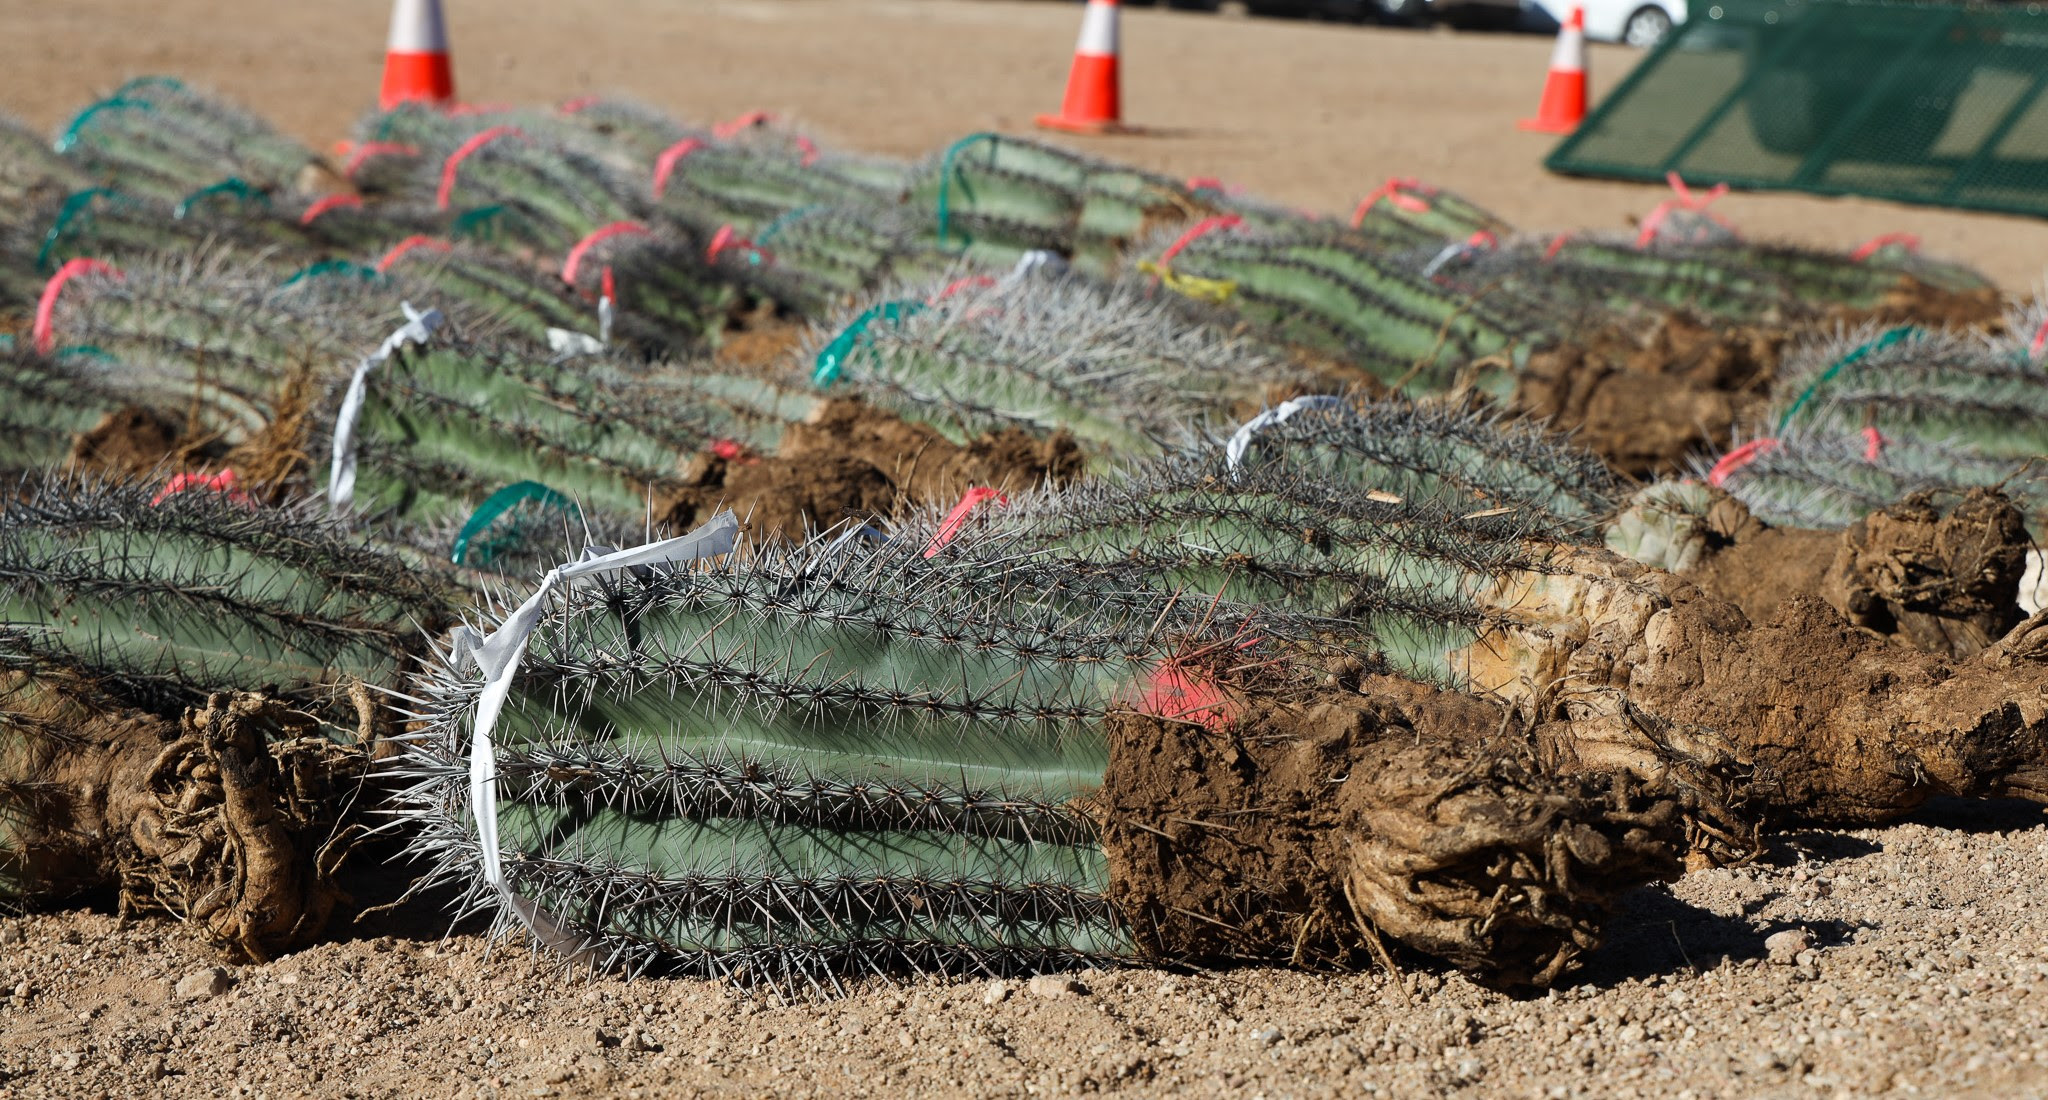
(416,63)
(1564,90)
(1092,105)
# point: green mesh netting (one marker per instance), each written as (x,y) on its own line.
(1925,103)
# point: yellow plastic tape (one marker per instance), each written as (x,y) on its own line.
(1191,286)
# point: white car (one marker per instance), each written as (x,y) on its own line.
(1639,23)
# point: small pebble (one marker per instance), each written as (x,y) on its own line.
(1057,985)
(203,984)
(10,933)
(1784,947)
(996,993)
(1265,1036)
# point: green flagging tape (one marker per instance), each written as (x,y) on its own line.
(1854,356)
(331,267)
(833,359)
(111,103)
(787,216)
(233,185)
(496,505)
(74,205)
(171,82)
(946,181)
(479,224)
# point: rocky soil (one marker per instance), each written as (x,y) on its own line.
(1906,961)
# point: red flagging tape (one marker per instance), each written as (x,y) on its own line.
(1738,458)
(462,153)
(579,104)
(399,250)
(222,482)
(331,202)
(974,282)
(752,118)
(728,238)
(957,518)
(1873,444)
(1394,191)
(1205,226)
(574,262)
(1871,247)
(370,149)
(46,309)
(665,164)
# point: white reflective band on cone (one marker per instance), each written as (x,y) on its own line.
(416,27)
(1098,30)
(1241,440)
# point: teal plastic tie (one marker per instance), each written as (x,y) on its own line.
(111,103)
(1856,355)
(946,180)
(331,267)
(496,505)
(787,216)
(140,82)
(478,224)
(88,351)
(832,361)
(74,205)
(233,185)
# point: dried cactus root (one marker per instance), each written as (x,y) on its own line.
(1949,584)
(1322,835)
(228,820)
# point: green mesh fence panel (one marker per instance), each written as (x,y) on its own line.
(1925,103)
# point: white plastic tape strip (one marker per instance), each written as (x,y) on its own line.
(561,341)
(1451,252)
(341,475)
(498,658)
(1241,440)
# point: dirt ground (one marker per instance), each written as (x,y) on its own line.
(1928,966)
(1922,971)
(1309,113)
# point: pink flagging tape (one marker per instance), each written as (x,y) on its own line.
(1482,238)
(580,104)
(1874,245)
(972,282)
(1557,244)
(665,164)
(461,109)
(607,287)
(222,482)
(2040,341)
(1873,444)
(809,149)
(462,153)
(1738,458)
(331,202)
(730,128)
(44,333)
(574,262)
(370,149)
(730,449)
(957,518)
(1175,693)
(417,240)
(1686,200)
(1204,183)
(1199,229)
(1394,191)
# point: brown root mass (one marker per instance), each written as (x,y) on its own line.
(1628,669)
(1913,302)
(227,819)
(851,460)
(130,440)
(1317,835)
(1948,584)
(1646,402)
(1755,566)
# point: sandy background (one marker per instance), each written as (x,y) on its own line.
(1313,114)
(1925,969)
